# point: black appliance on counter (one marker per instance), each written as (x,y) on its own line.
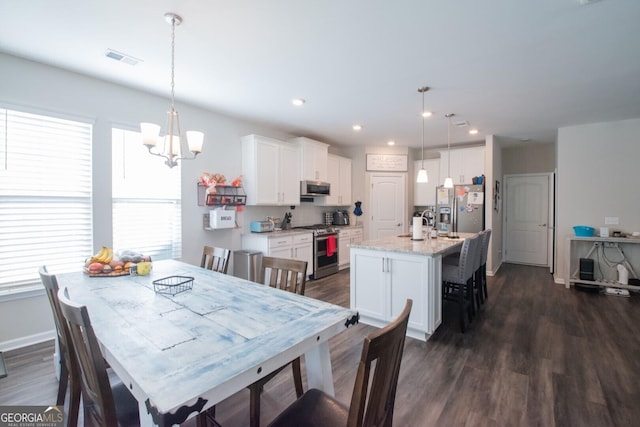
(340,217)
(325,250)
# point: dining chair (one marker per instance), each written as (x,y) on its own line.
(67,379)
(372,401)
(457,280)
(289,275)
(216,259)
(104,404)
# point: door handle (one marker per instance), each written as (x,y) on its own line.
(542,225)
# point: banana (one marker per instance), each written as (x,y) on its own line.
(106,259)
(98,257)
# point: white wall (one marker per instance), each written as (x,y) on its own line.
(493,219)
(530,158)
(598,176)
(41,88)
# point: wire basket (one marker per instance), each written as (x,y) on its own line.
(173,285)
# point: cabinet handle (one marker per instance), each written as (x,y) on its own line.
(388,265)
(382,264)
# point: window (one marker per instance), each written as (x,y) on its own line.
(146,199)
(45,196)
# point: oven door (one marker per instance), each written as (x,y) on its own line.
(326,255)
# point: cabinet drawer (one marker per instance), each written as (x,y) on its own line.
(278,242)
(302,238)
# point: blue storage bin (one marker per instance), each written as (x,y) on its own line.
(583,231)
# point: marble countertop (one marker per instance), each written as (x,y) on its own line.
(279,233)
(427,247)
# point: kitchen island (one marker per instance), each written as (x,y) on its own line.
(385,272)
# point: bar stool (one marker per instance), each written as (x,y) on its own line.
(457,280)
(481,274)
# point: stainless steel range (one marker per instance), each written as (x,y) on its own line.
(325,250)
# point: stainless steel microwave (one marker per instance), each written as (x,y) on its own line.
(314,189)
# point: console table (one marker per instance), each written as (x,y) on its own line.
(606,252)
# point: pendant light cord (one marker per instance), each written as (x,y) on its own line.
(173,74)
(449,145)
(422,114)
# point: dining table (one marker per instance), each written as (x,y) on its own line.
(184,338)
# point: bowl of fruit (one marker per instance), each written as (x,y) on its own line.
(108,263)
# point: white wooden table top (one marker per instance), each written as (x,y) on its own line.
(208,342)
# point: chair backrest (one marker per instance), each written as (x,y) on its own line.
(373,406)
(50,284)
(486,236)
(469,258)
(216,259)
(96,390)
(286,274)
(65,346)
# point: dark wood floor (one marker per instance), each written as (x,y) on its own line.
(536,355)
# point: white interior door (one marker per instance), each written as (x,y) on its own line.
(527,219)
(387,205)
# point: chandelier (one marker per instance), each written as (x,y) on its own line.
(172,144)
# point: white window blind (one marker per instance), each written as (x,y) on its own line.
(45,196)
(146,199)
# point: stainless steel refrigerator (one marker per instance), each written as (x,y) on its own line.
(460,209)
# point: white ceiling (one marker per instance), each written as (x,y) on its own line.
(518,69)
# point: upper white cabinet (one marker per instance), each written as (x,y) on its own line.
(465,164)
(425,194)
(339,176)
(313,159)
(271,171)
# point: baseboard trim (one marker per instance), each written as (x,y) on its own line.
(27,341)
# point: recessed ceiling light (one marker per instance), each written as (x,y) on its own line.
(357,127)
(391,143)
(427,114)
(298,102)
(473,131)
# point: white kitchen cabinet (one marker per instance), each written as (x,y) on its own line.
(348,236)
(381,282)
(339,176)
(270,170)
(302,249)
(424,194)
(289,245)
(465,164)
(313,159)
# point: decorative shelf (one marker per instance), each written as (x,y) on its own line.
(226,195)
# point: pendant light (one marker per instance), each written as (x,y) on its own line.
(422,173)
(173,142)
(448,182)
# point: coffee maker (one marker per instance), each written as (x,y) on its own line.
(340,217)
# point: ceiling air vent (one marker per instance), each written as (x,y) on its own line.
(460,123)
(121,57)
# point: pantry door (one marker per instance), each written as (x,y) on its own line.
(527,219)
(387,205)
